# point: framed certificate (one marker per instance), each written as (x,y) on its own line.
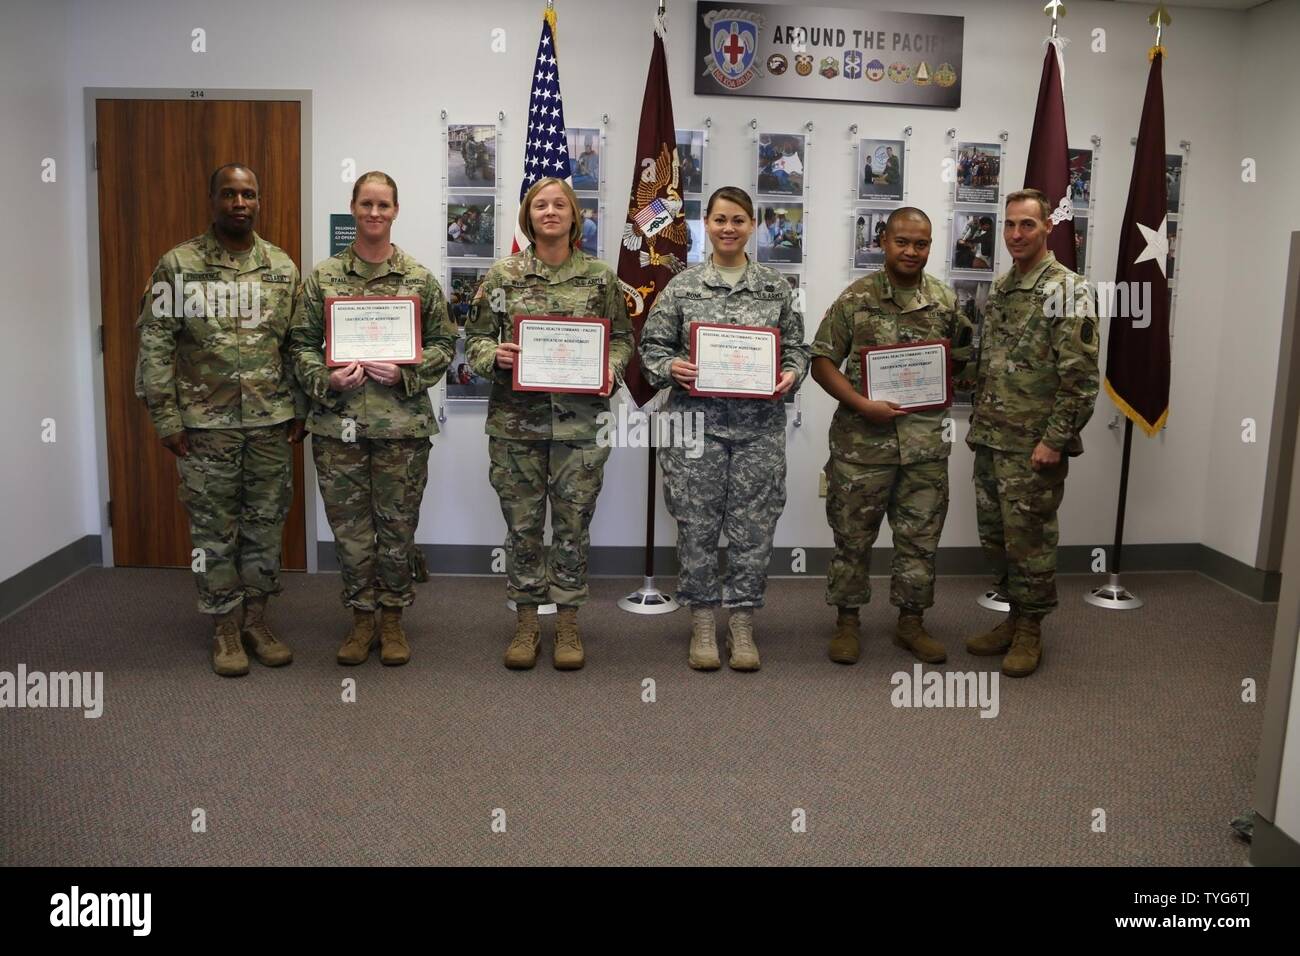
(735,361)
(916,376)
(558,353)
(379,329)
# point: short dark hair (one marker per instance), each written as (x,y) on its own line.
(1032,195)
(731,194)
(907,212)
(216,174)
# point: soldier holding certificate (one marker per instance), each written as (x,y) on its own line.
(371,418)
(887,458)
(1035,388)
(727,337)
(216,377)
(543,413)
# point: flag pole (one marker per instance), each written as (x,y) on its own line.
(648,599)
(1113,594)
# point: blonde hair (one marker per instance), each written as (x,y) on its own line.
(526,219)
(374,176)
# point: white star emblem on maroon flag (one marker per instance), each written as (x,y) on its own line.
(1157,244)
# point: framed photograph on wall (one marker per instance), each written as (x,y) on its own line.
(471,226)
(471,156)
(979,173)
(690,157)
(463,384)
(584,158)
(869,237)
(693,210)
(589,213)
(781,164)
(880,169)
(1080,178)
(1173,183)
(975,236)
(779,232)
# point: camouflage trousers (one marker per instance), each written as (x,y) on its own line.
(858,497)
(526,475)
(1015,507)
(237,484)
(736,488)
(372,489)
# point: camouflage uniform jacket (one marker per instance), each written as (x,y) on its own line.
(869,313)
(379,411)
(761,297)
(218,368)
(1036,377)
(522,284)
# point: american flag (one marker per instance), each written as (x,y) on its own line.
(547,151)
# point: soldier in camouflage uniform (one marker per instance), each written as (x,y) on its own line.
(1036,383)
(885,460)
(371,423)
(542,445)
(213,368)
(737,485)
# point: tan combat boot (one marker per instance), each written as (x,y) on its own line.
(740,640)
(568,646)
(1026,648)
(522,652)
(228,657)
(356,646)
(844,643)
(266,647)
(912,635)
(995,641)
(393,649)
(703,655)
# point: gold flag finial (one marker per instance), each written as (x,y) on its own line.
(1159,19)
(1054,9)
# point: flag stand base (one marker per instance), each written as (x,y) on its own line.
(994,600)
(1114,596)
(648,599)
(541,608)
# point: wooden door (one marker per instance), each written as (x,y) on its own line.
(154,158)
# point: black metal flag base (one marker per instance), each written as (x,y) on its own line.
(1113,595)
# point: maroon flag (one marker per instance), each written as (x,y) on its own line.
(654,236)
(1048,167)
(1137,354)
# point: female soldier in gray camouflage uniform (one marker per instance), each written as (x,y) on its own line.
(737,484)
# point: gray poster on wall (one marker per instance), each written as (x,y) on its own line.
(343,229)
(823,53)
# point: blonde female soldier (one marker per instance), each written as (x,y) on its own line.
(371,422)
(542,445)
(738,484)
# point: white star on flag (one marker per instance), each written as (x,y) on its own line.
(1157,245)
(547,132)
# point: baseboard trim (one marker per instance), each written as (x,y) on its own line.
(619,561)
(1269,846)
(48,573)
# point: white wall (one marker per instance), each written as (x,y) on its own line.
(380,74)
(45,361)
(1254,246)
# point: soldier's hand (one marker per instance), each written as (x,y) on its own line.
(506,353)
(297,431)
(385,373)
(1044,457)
(347,377)
(786,383)
(683,372)
(880,413)
(608,390)
(178,444)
